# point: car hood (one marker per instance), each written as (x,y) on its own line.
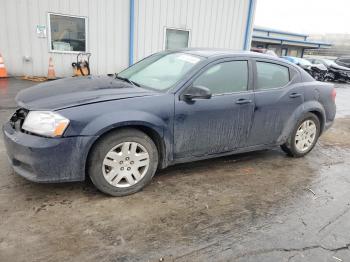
(320,66)
(75,91)
(339,67)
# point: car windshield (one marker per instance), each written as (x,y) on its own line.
(160,71)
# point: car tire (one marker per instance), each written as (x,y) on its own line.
(292,146)
(110,157)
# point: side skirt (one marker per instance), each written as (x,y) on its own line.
(237,151)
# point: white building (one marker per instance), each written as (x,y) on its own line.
(115,32)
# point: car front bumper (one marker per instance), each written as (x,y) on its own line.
(46,160)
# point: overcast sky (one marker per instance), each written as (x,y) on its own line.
(304,16)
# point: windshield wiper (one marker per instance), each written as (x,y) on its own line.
(127,80)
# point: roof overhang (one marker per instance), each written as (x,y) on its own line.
(267,30)
(290,42)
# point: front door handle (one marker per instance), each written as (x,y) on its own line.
(294,95)
(241,101)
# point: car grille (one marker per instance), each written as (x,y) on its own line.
(17,119)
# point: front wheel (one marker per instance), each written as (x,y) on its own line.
(303,137)
(123,162)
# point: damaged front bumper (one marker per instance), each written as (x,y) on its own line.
(46,160)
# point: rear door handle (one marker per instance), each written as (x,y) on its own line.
(241,101)
(294,95)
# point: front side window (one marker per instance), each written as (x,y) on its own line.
(175,38)
(226,77)
(271,75)
(161,71)
(67,33)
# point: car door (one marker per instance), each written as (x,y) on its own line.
(220,123)
(277,95)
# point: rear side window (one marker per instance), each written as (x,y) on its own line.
(271,75)
(226,77)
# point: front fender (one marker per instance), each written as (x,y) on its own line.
(110,121)
(300,111)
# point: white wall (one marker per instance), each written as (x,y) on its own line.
(108,34)
(212,23)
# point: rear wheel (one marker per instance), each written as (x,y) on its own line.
(303,137)
(123,162)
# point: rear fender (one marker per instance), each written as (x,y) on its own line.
(299,113)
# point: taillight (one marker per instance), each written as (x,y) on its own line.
(334,94)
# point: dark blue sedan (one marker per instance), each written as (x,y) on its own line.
(171,107)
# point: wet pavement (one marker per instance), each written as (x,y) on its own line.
(261,206)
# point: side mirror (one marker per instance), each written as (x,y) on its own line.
(197,92)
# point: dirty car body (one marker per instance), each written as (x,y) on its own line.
(183,129)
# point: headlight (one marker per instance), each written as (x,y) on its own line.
(45,123)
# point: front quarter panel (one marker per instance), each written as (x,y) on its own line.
(154,112)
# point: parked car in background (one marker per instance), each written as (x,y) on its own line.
(335,71)
(317,71)
(264,51)
(304,64)
(343,61)
(171,107)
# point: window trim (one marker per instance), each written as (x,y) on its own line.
(256,89)
(178,29)
(49,34)
(250,83)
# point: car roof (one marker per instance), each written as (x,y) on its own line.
(289,58)
(212,52)
(215,52)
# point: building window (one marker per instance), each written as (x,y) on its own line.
(293,52)
(176,38)
(67,33)
(284,51)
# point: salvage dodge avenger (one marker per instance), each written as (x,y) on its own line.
(171,107)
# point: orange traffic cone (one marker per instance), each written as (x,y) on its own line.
(3,86)
(3,72)
(51,72)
